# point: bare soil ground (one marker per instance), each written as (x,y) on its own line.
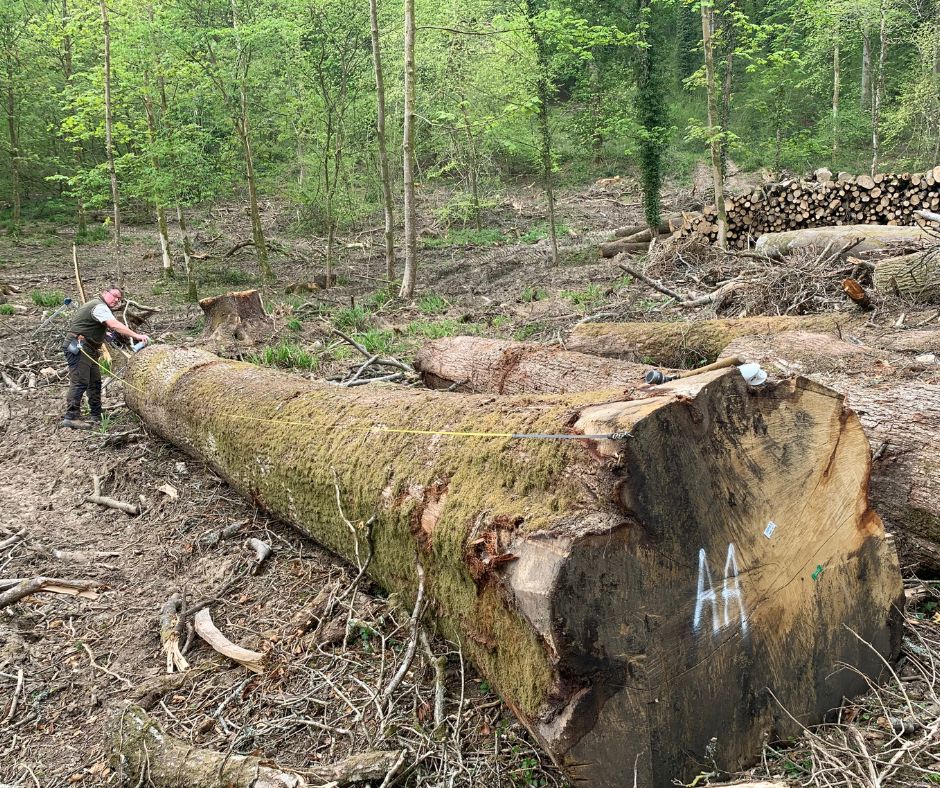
(69,663)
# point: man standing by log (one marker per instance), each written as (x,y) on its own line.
(82,349)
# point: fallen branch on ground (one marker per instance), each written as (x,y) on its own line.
(113,503)
(26,587)
(143,751)
(210,633)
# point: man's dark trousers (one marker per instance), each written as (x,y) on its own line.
(84,376)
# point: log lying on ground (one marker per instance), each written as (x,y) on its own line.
(900,413)
(901,416)
(635,594)
(144,752)
(914,276)
(870,237)
(684,344)
(474,364)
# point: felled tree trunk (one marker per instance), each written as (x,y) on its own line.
(474,364)
(684,344)
(634,594)
(870,237)
(914,276)
(900,411)
(238,317)
(144,752)
(899,414)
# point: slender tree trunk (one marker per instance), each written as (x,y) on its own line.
(162,230)
(708,14)
(650,102)
(878,91)
(473,166)
(243,130)
(109,141)
(724,115)
(191,294)
(543,92)
(411,243)
(67,74)
(388,202)
(14,141)
(866,68)
(835,95)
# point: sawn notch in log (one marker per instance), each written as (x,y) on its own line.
(675,596)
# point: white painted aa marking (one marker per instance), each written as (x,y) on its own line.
(705,595)
(732,592)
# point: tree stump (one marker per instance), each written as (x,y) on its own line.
(236,317)
(647,594)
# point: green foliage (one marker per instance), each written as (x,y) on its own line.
(528,331)
(354,317)
(7,309)
(46,298)
(441,328)
(286,355)
(432,304)
(532,293)
(540,231)
(376,340)
(586,298)
(380,298)
(294,324)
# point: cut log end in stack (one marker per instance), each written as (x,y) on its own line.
(659,593)
(891,199)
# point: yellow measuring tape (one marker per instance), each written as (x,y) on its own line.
(396,430)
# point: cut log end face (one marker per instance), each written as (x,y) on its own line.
(657,584)
(747,550)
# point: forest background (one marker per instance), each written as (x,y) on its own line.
(154,108)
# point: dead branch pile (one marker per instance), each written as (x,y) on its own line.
(820,201)
(806,282)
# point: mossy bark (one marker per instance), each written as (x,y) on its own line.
(572,570)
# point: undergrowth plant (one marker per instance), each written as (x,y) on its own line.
(44,298)
(288,355)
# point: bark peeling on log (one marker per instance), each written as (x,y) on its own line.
(588,632)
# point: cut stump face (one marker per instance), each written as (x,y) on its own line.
(236,318)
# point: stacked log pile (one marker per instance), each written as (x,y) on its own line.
(821,201)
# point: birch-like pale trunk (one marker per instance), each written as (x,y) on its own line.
(109,142)
(708,16)
(878,90)
(162,231)
(14,140)
(411,241)
(384,172)
(836,87)
(864,99)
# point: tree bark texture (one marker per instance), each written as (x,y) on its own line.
(384,173)
(109,141)
(408,150)
(913,276)
(495,366)
(714,129)
(634,594)
(684,344)
(897,401)
(237,317)
(871,237)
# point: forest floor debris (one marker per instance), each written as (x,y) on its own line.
(331,643)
